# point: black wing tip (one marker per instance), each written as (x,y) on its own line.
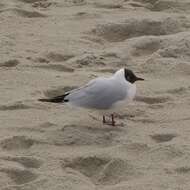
(52,100)
(57,99)
(44,100)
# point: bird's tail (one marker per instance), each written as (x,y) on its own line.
(57,99)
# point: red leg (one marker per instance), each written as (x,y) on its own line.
(112,120)
(104,119)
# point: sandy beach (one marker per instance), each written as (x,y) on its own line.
(50,46)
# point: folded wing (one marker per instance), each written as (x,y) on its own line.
(100,93)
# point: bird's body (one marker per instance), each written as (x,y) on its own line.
(102,93)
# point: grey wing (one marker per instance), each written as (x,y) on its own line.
(100,93)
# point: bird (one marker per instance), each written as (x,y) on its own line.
(102,93)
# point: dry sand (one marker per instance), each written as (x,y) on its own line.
(50,46)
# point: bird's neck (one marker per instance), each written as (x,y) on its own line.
(131,92)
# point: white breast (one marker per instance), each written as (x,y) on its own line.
(131,91)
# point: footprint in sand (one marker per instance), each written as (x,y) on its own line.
(146,45)
(110,5)
(39,59)
(134,148)
(183,170)
(85,15)
(19,168)
(165,153)
(10,63)
(55,57)
(19,175)
(159,138)
(179,170)
(16,142)
(130,28)
(14,106)
(52,56)
(88,59)
(58,57)
(101,170)
(2,5)
(83,135)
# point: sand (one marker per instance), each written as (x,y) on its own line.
(50,46)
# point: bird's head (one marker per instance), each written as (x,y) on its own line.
(130,76)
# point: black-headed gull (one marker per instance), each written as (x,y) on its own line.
(102,93)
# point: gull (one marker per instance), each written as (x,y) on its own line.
(102,93)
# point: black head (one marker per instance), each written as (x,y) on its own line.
(130,76)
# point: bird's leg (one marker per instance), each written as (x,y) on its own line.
(112,120)
(104,119)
